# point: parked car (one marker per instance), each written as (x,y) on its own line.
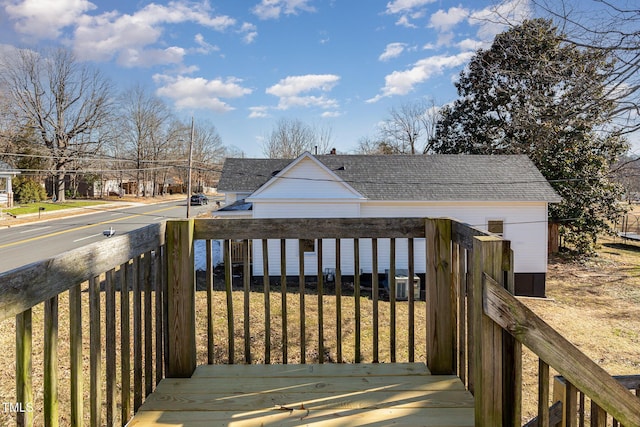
(199,199)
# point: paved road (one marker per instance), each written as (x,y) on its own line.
(33,242)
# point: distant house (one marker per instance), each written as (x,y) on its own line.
(7,173)
(506,195)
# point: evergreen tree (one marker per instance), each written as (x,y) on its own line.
(533,94)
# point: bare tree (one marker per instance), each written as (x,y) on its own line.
(410,129)
(67,103)
(144,119)
(292,137)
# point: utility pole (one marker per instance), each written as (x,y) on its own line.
(189,167)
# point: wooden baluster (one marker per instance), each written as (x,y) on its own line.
(24,384)
(95,352)
(148,325)
(75,354)
(246,281)
(543,393)
(392,299)
(320,291)
(126,282)
(283,293)
(267,301)
(210,284)
(228,285)
(110,346)
(338,286)
(303,345)
(375,290)
(137,333)
(159,286)
(51,362)
(462,315)
(356,298)
(411,301)
(571,405)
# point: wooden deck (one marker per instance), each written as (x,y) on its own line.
(399,394)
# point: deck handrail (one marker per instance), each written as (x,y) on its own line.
(474,326)
(131,262)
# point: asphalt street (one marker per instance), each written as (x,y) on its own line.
(38,240)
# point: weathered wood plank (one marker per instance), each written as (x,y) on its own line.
(366,399)
(563,356)
(440,307)
(228,286)
(75,354)
(375,296)
(24,287)
(158,286)
(283,296)
(487,357)
(425,417)
(463,234)
(126,283)
(95,354)
(181,298)
(320,294)
(266,284)
(392,300)
(308,228)
(412,297)
(338,286)
(137,332)
(51,362)
(356,302)
(301,291)
(24,383)
(325,370)
(302,384)
(543,393)
(246,285)
(110,346)
(210,275)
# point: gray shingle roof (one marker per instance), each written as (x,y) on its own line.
(401,177)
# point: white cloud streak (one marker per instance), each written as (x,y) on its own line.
(293,91)
(393,50)
(272,9)
(200,93)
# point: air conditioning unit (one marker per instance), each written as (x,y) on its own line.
(402,285)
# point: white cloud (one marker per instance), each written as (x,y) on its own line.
(293,91)
(403,82)
(446,20)
(250,32)
(200,93)
(295,85)
(205,47)
(393,50)
(45,19)
(494,20)
(330,114)
(272,9)
(260,112)
(405,6)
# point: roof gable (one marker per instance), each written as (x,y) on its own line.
(305,178)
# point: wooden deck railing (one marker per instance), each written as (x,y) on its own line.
(71,300)
(470,324)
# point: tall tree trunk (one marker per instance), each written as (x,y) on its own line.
(60,196)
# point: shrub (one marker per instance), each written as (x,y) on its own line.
(28,191)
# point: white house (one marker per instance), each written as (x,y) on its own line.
(7,173)
(502,194)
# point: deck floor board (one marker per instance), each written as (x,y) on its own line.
(292,395)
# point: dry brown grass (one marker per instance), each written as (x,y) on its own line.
(594,303)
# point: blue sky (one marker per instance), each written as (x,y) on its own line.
(242,65)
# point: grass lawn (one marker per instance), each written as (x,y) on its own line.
(31,208)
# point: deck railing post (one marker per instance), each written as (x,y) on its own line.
(440,308)
(490,253)
(181,333)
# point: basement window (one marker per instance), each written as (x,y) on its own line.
(496,226)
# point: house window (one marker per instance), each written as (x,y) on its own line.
(308,245)
(496,226)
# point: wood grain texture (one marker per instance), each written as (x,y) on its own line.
(328,394)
